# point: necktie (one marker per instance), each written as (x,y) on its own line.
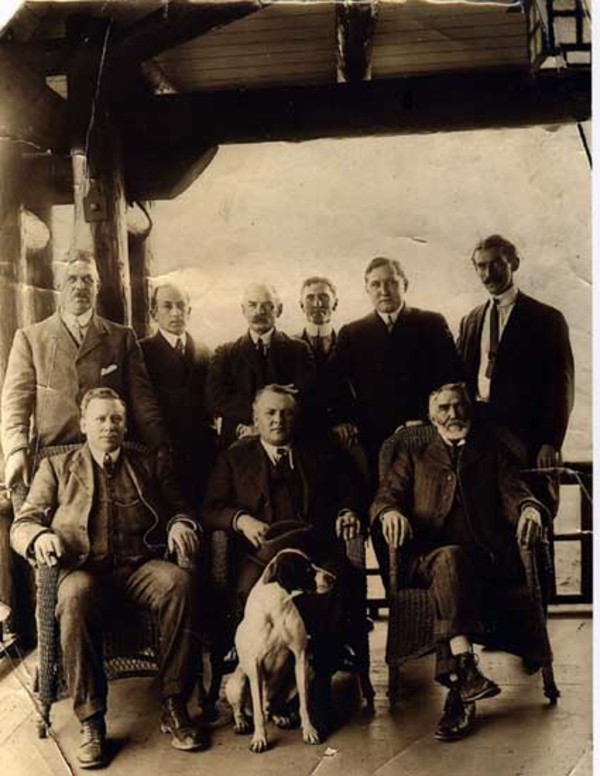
(494,338)
(108,465)
(283,461)
(80,332)
(318,346)
(180,347)
(390,323)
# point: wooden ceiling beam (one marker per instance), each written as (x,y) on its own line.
(47,56)
(29,110)
(355,22)
(178,23)
(400,106)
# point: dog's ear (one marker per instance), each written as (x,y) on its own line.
(270,573)
(291,572)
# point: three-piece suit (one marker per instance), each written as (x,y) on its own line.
(48,373)
(113,528)
(236,373)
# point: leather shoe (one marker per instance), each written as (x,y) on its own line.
(472,685)
(175,720)
(92,749)
(457,719)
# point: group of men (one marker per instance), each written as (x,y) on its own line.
(291,409)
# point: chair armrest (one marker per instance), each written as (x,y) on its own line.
(219,559)
(356,552)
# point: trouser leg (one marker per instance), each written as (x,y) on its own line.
(168,591)
(81,609)
(451,576)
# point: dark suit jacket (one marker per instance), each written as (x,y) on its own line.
(532,385)
(240,481)
(423,485)
(47,375)
(318,415)
(391,375)
(235,376)
(62,495)
(180,385)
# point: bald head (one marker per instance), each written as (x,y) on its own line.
(261,307)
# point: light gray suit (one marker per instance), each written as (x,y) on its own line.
(48,373)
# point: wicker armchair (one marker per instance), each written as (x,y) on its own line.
(130,645)
(410,631)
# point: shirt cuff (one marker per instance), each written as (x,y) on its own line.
(186,521)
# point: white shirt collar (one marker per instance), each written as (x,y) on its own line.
(508,297)
(266,337)
(318,330)
(99,457)
(172,339)
(449,443)
(271,451)
(394,316)
(82,320)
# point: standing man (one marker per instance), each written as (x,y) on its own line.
(51,365)
(518,359)
(54,362)
(318,301)
(178,367)
(262,356)
(107,514)
(391,360)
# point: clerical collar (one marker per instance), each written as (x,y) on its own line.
(77,320)
(172,339)
(318,330)
(99,456)
(508,297)
(266,337)
(385,317)
(271,451)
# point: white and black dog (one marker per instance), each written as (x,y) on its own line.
(272,644)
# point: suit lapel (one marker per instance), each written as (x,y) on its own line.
(95,334)
(514,326)
(82,468)
(62,337)
(303,462)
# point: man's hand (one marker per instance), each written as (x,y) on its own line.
(347,526)
(395,528)
(48,548)
(242,430)
(17,469)
(529,527)
(346,434)
(547,457)
(254,530)
(183,541)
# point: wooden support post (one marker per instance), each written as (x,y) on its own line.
(36,277)
(140,256)
(10,249)
(98,182)
(354,28)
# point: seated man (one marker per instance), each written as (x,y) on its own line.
(274,479)
(106,514)
(460,502)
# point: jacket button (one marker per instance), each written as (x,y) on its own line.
(449,477)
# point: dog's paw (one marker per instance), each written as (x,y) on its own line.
(242,726)
(310,735)
(259,744)
(287,721)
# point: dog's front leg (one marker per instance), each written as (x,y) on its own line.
(259,738)
(309,732)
